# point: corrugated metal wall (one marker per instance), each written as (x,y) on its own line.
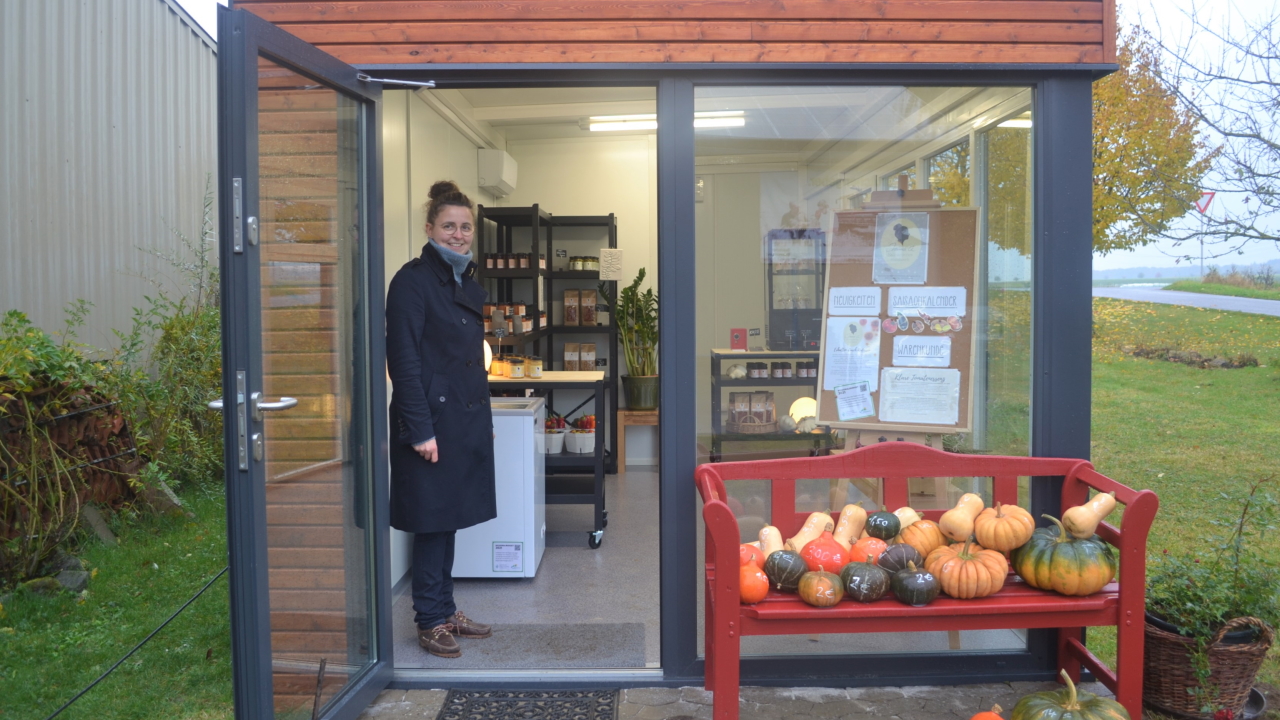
(108,131)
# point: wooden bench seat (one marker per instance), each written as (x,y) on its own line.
(1016,606)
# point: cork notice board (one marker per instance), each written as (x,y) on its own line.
(950,261)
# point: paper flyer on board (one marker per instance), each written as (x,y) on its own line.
(924,396)
(922,351)
(852,352)
(901,248)
(854,301)
(854,402)
(933,301)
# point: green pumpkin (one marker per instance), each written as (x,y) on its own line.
(784,569)
(916,587)
(1053,560)
(883,525)
(865,581)
(1067,704)
(897,556)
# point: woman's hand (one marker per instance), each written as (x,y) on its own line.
(428,450)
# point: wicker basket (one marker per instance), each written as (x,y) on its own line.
(1168,674)
(752,427)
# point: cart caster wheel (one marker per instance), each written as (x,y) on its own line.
(604,519)
(594,539)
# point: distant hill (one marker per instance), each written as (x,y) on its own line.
(1179,271)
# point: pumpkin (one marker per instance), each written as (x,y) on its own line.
(957,523)
(906,516)
(923,535)
(753,584)
(821,588)
(896,558)
(883,525)
(1082,521)
(968,571)
(770,541)
(816,524)
(914,586)
(1053,560)
(1068,704)
(865,581)
(867,549)
(749,554)
(1003,527)
(824,552)
(784,569)
(992,714)
(852,519)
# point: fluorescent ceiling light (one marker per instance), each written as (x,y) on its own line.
(719,122)
(720,113)
(624,125)
(1023,123)
(622,118)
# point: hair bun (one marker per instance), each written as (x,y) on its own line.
(442,188)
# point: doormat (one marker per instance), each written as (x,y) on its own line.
(530,705)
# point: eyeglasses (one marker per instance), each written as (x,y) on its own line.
(466,230)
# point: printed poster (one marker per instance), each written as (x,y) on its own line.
(854,301)
(920,396)
(853,402)
(852,352)
(901,253)
(932,301)
(508,557)
(922,351)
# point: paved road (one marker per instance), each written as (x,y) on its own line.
(1175,297)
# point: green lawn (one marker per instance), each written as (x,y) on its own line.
(52,647)
(1217,289)
(1183,432)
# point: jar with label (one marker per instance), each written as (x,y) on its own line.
(498,368)
(776,369)
(515,368)
(489,261)
(500,263)
(534,367)
(524,261)
(591,263)
(518,308)
(787,372)
(542,262)
(488,326)
(542,319)
(575,263)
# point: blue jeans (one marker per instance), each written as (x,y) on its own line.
(432,578)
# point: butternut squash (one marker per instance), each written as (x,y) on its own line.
(770,540)
(957,523)
(1082,521)
(907,516)
(816,524)
(852,520)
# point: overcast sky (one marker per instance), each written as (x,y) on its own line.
(1170,23)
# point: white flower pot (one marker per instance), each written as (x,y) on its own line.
(581,442)
(555,442)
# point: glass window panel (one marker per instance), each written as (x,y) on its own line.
(802,156)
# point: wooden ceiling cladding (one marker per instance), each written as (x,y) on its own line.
(363,32)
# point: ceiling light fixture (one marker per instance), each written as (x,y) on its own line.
(649,121)
(623,125)
(719,122)
(1023,123)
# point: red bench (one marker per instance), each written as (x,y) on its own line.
(1016,606)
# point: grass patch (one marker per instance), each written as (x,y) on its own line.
(1184,432)
(1218,289)
(52,647)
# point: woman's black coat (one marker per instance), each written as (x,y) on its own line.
(440,389)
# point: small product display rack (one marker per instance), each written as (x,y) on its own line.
(820,442)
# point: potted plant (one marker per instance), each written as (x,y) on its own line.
(1211,614)
(636,316)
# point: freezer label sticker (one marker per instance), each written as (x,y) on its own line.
(508,557)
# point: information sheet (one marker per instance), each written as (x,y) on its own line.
(854,301)
(508,557)
(901,248)
(922,351)
(852,352)
(923,396)
(854,402)
(932,301)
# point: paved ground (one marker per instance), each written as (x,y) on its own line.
(759,703)
(1175,297)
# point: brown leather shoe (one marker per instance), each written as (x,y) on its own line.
(468,628)
(439,641)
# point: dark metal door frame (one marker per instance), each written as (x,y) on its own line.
(242,39)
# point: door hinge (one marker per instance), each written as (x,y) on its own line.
(237,213)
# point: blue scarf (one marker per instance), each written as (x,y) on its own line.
(457,261)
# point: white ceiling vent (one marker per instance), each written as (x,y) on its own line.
(497,172)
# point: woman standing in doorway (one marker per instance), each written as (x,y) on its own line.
(442,476)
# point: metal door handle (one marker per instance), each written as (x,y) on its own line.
(257,406)
(216,405)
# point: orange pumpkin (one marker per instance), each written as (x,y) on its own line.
(753,584)
(749,554)
(1003,527)
(824,553)
(968,571)
(924,536)
(821,589)
(992,714)
(868,548)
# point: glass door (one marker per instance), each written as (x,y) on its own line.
(298,202)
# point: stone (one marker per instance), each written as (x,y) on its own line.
(696,695)
(162,499)
(93,516)
(68,562)
(651,696)
(45,586)
(668,711)
(73,580)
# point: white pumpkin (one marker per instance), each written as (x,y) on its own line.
(807,424)
(737,371)
(787,423)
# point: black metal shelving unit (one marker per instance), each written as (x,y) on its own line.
(820,442)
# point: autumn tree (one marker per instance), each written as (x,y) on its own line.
(1149,157)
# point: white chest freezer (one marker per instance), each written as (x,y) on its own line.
(511,545)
